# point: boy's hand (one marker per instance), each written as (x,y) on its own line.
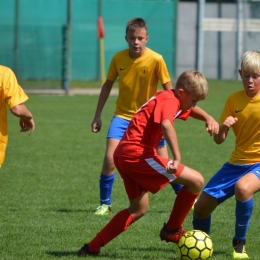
(96,124)
(212,126)
(27,125)
(172,166)
(229,122)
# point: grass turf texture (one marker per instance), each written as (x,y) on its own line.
(49,184)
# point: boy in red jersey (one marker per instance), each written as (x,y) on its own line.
(139,69)
(13,96)
(240,176)
(143,170)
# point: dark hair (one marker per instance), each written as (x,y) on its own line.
(136,23)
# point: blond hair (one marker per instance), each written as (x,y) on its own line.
(136,24)
(193,82)
(250,62)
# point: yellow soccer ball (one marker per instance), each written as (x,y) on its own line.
(195,245)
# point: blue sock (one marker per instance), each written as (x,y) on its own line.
(202,224)
(176,187)
(244,211)
(105,186)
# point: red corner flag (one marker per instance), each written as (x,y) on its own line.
(101,33)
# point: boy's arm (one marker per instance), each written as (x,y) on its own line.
(223,129)
(103,96)
(26,118)
(167,85)
(171,139)
(212,126)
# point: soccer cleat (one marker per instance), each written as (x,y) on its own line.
(171,236)
(239,250)
(84,251)
(103,210)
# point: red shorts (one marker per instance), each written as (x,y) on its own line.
(145,174)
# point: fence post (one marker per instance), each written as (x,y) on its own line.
(240,20)
(67,42)
(16,38)
(200,35)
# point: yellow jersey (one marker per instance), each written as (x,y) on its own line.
(246,129)
(11,94)
(138,79)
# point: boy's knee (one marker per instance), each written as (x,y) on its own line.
(138,214)
(199,183)
(108,160)
(200,210)
(204,206)
(243,192)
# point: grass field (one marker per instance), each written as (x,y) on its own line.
(49,185)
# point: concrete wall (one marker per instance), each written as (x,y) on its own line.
(220,48)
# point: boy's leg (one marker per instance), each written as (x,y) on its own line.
(173,230)
(107,178)
(244,211)
(203,208)
(245,187)
(118,224)
(115,132)
(193,182)
(219,188)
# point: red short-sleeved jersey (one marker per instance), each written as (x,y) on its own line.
(144,132)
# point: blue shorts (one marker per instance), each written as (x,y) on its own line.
(222,185)
(117,129)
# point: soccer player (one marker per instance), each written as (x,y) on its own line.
(12,95)
(139,70)
(143,170)
(241,174)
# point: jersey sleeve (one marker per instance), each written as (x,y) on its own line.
(184,115)
(112,70)
(165,110)
(13,93)
(227,111)
(162,71)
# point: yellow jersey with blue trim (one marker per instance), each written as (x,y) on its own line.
(247,127)
(11,94)
(138,79)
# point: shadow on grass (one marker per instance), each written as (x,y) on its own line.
(61,253)
(149,249)
(112,256)
(74,210)
(220,253)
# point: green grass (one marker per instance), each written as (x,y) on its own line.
(49,185)
(56,84)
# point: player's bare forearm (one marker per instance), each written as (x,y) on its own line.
(171,138)
(212,126)
(26,118)
(103,96)
(223,129)
(167,85)
(21,111)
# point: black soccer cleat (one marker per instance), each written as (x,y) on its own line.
(84,251)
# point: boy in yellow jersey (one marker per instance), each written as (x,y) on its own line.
(139,69)
(240,176)
(12,95)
